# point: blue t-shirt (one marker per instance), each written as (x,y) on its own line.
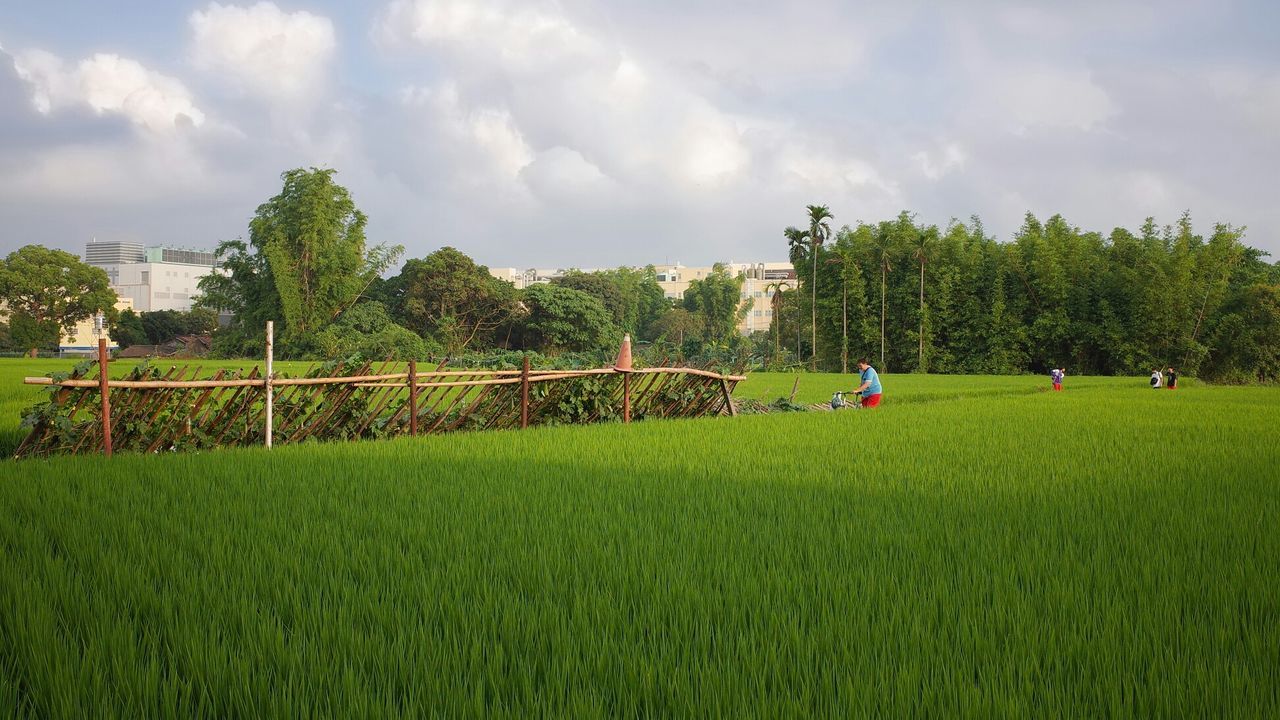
(870,375)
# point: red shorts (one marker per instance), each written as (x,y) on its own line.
(1057,386)
(871,400)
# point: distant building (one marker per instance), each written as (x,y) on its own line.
(532,276)
(674,281)
(154,278)
(84,339)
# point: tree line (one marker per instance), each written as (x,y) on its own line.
(912,297)
(919,298)
(308,267)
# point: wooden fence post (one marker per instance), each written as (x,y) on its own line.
(413,398)
(105,389)
(524,392)
(728,397)
(266,382)
(626,397)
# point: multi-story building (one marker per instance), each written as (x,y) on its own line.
(154,278)
(760,282)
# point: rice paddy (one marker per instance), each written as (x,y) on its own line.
(975,547)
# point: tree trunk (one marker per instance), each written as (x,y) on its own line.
(882,312)
(920,361)
(813,351)
(844,331)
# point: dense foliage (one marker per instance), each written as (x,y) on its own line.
(954,300)
(45,293)
(306,262)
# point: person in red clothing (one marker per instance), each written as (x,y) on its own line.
(870,387)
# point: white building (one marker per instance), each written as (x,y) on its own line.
(530,276)
(154,278)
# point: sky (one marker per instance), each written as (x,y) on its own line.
(600,133)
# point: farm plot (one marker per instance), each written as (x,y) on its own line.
(1100,552)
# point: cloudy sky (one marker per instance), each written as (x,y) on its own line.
(580,133)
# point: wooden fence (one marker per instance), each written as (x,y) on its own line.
(153,410)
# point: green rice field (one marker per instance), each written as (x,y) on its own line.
(975,547)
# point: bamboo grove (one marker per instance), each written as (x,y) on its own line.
(916,297)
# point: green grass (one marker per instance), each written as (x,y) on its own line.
(818,387)
(1107,551)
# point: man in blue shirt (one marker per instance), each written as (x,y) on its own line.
(870,387)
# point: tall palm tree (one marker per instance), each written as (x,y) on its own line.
(774,291)
(797,248)
(847,266)
(797,243)
(883,247)
(921,249)
(819,232)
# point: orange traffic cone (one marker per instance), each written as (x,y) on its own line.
(624,354)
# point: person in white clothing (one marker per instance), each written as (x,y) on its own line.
(1156,379)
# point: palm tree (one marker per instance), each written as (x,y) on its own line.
(847,265)
(921,249)
(797,248)
(797,243)
(819,232)
(883,247)
(774,291)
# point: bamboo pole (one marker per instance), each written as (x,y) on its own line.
(271,331)
(534,376)
(104,387)
(413,398)
(524,393)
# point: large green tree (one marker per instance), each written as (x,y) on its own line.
(559,319)
(717,301)
(447,297)
(47,292)
(306,261)
(128,330)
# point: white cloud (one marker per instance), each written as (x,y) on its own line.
(519,36)
(952,158)
(263,49)
(1049,97)
(108,83)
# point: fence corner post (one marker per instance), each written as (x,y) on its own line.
(728,397)
(104,388)
(524,392)
(626,396)
(266,382)
(413,398)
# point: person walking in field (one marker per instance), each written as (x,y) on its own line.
(1171,379)
(1056,374)
(1156,379)
(870,387)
